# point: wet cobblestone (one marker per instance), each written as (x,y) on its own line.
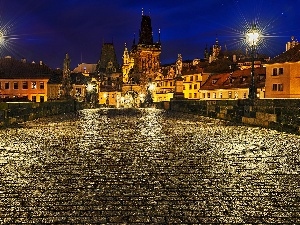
(148,166)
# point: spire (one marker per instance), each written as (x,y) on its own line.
(146,36)
(158,35)
(142,11)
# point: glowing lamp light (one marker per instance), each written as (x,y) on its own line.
(90,87)
(151,87)
(1,38)
(253,36)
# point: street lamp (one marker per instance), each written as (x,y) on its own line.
(252,38)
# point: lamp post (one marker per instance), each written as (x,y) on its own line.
(252,38)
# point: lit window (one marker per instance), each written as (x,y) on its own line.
(33,85)
(78,90)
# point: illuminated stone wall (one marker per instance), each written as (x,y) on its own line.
(279,114)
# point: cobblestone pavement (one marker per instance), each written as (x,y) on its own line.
(148,166)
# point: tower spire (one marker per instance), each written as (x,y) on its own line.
(159,35)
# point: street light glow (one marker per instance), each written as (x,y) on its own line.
(253,36)
(89,87)
(151,87)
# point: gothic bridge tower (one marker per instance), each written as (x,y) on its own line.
(143,61)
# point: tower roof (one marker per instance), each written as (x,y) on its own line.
(146,36)
(107,58)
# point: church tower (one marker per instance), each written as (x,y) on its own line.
(144,58)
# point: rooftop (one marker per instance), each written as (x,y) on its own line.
(12,68)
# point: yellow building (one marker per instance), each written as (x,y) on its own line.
(283,79)
(233,85)
(164,86)
(193,77)
(19,79)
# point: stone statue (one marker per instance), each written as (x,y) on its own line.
(179,65)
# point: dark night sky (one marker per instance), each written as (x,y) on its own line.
(45,30)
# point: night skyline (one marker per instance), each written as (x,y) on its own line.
(45,31)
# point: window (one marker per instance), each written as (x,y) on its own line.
(171,83)
(277,87)
(42,86)
(274,72)
(229,94)
(42,99)
(203,95)
(190,95)
(190,87)
(280,71)
(16,85)
(221,95)
(191,78)
(208,95)
(214,95)
(78,90)
(183,87)
(33,98)
(6,85)
(236,94)
(195,95)
(33,85)
(245,95)
(25,85)
(195,86)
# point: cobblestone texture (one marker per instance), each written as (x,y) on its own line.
(107,166)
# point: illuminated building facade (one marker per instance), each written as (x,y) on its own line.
(22,80)
(108,76)
(142,62)
(234,85)
(283,80)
